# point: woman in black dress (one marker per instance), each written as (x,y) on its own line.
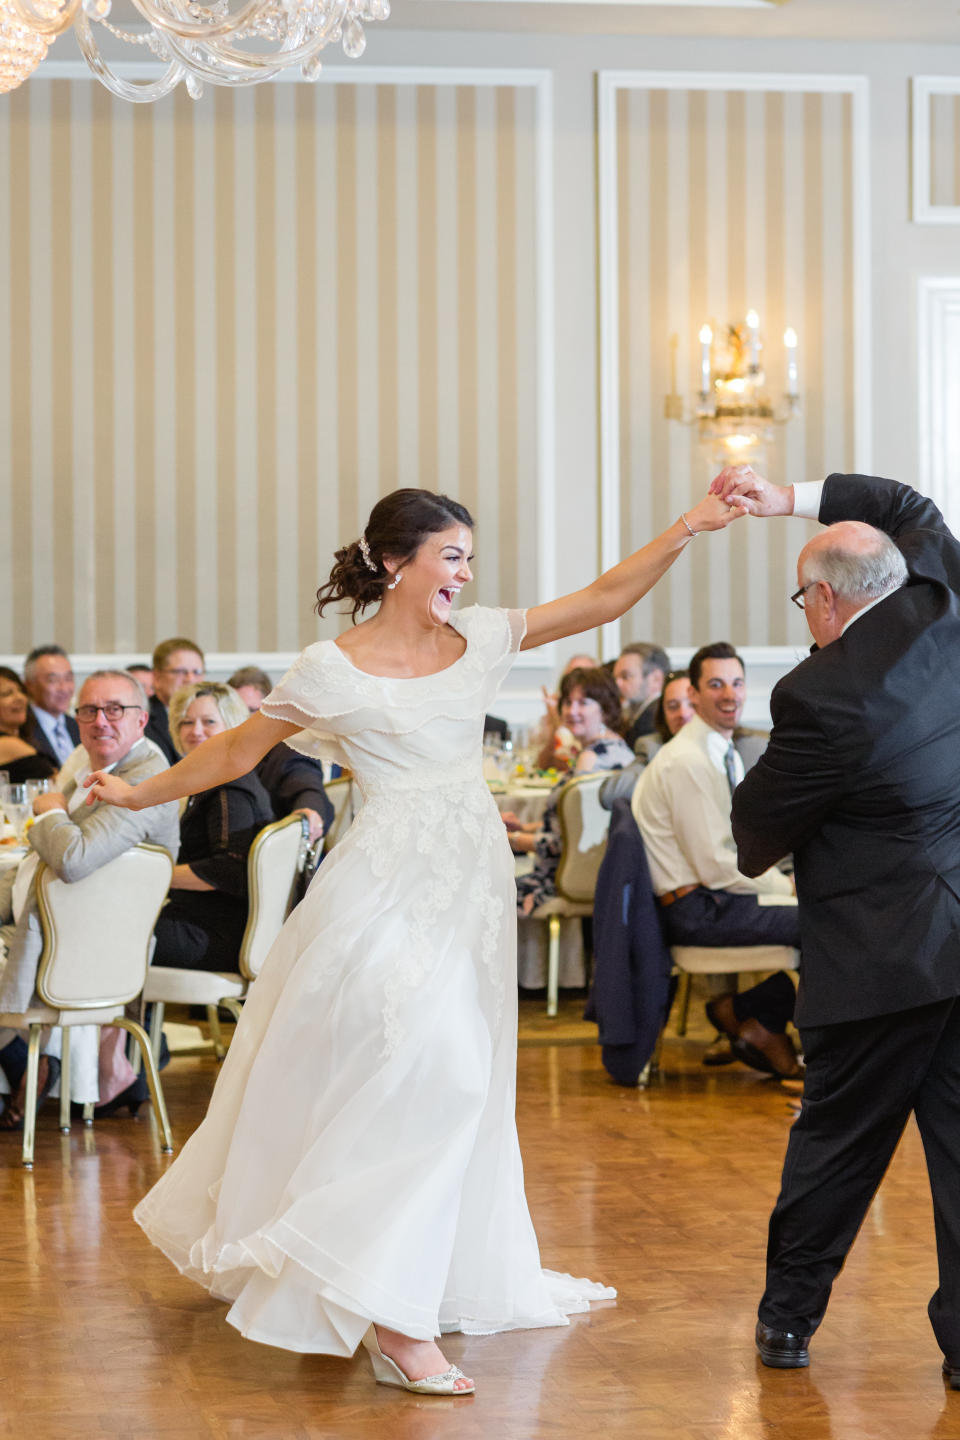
(202,924)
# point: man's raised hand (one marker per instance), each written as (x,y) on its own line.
(739,484)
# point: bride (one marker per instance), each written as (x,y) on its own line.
(357,1177)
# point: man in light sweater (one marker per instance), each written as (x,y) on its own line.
(682,806)
(75,839)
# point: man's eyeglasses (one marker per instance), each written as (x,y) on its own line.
(183,672)
(113,710)
(797,596)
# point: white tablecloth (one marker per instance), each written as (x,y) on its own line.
(527,802)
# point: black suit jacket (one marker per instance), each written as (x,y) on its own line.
(158,730)
(34,734)
(861,780)
(294,782)
(643,723)
(631,990)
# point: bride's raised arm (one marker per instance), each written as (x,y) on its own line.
(221,758)
(618,589)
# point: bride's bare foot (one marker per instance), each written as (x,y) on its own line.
(417,1358)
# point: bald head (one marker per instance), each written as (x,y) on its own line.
(844,568)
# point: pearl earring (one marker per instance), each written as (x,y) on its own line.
(396,581)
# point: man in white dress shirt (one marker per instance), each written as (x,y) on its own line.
(682,806)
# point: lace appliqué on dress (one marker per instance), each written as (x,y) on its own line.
(439,821)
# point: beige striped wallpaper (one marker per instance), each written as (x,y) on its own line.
(226,328)
(945,149)
(728,199)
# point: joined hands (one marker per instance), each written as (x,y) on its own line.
(740,485)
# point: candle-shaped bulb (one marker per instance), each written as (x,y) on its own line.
(753,319)
(790,340)
(706,339)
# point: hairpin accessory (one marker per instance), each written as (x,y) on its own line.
(365,552)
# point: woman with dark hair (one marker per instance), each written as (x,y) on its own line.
(591,708)
(675,706)
(358,1176)
(17,756)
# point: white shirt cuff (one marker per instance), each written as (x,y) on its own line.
(38,819)
(806,499)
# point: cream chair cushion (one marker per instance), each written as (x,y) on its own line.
(731,959)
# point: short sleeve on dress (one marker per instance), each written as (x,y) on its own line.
(311,695)
(494,637)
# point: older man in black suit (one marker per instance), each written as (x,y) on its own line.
(861,782)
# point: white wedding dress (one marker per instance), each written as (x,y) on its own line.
(359,1159)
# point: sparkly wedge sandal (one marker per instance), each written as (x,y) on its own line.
(388,1372)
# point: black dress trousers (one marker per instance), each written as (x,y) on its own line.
(864,1078)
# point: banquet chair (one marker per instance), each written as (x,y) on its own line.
(275,861)
(690,960)
(96,940)
(340,795)
(583,832)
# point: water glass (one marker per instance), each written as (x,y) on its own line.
(18,808)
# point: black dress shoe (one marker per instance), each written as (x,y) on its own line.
(951,1373)
(782,1350)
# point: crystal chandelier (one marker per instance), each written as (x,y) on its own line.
(734,415)
(223,43)
(21,48)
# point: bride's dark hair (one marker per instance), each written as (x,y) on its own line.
(398,526)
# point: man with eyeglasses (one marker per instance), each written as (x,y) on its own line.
(176,662)
(75,839)
(49,683)
(861,782)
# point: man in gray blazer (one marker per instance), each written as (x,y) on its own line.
(74,838)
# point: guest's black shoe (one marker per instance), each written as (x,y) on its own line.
(782,1350)
(951,1373)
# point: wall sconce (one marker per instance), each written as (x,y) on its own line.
(734,415)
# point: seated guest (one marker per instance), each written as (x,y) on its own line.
(75,839)
(48,681)
(143,673)
(640,672)
(590,708)
(18,758)
(201,925)
(674,709)
(176,662)
(682,806)
(556,747)
(294,782)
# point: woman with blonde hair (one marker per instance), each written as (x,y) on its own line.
(358,1176)
(202,924)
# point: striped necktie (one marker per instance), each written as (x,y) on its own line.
(730,765)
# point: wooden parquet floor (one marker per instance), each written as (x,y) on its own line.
(663,1193)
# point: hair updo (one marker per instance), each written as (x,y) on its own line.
(398,526)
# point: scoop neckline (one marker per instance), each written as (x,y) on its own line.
(370,675)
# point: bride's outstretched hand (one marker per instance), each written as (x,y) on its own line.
(110,790)
(739,484)
(714,512)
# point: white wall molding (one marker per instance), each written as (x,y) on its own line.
(610,82)
(520,700)
(938,385)
(924,87)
